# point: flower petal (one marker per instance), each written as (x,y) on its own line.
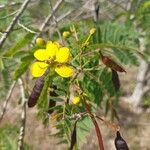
(38,69)
(65,71)
(63,55)
(52,48)
(58,45)
(41,54)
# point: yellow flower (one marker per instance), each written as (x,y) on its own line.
(76,100)
(53,56)
(66,34)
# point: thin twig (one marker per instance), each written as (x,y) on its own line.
(48,18)
(65,15)
(9,15)
(7,100)
(26,28)
(3,6)
(13,22)
(23,117)
(118,4)
(56,23)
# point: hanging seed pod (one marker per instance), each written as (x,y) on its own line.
(115,80)
(111,64)
(120,143)
(52,103)
(73,137)
(36,90)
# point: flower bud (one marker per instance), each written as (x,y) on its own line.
(66,34)
(76,100)
(93,30)
(40,42)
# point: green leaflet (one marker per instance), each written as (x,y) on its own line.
(93,89)
(83,128)
(1,64)
(8,142)
(43,99)
(6,78)
(105,78)
(19,44)
(23,66)
(120,39)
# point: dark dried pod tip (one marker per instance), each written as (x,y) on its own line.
(73,137)
(115,80)
(36,90)
(120,143)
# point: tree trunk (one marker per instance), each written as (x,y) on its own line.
(141,87)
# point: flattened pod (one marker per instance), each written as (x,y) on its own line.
(36,90)
(73,137)
(120,143)
(111,64)
(115,80)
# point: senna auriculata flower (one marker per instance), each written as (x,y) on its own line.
(53,56)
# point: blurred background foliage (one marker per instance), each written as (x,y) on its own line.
(120,26)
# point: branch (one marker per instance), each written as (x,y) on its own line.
(56,23)
(97,129)
(13,22)
(25,28)
(7,100)
(3,6)
(117,4)
(49,17)
(23,117)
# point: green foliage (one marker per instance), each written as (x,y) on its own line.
(83,127)
(7,135)
(43,101)
(8,66)
(25,62)
(8,138)
(120,39)
(92,78)
(19,44)
(93,89)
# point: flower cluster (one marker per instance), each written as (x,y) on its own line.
(53,56)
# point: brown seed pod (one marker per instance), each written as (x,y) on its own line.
(73,137)
(111,64)
(120,143)
(36,90)
(115,80)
